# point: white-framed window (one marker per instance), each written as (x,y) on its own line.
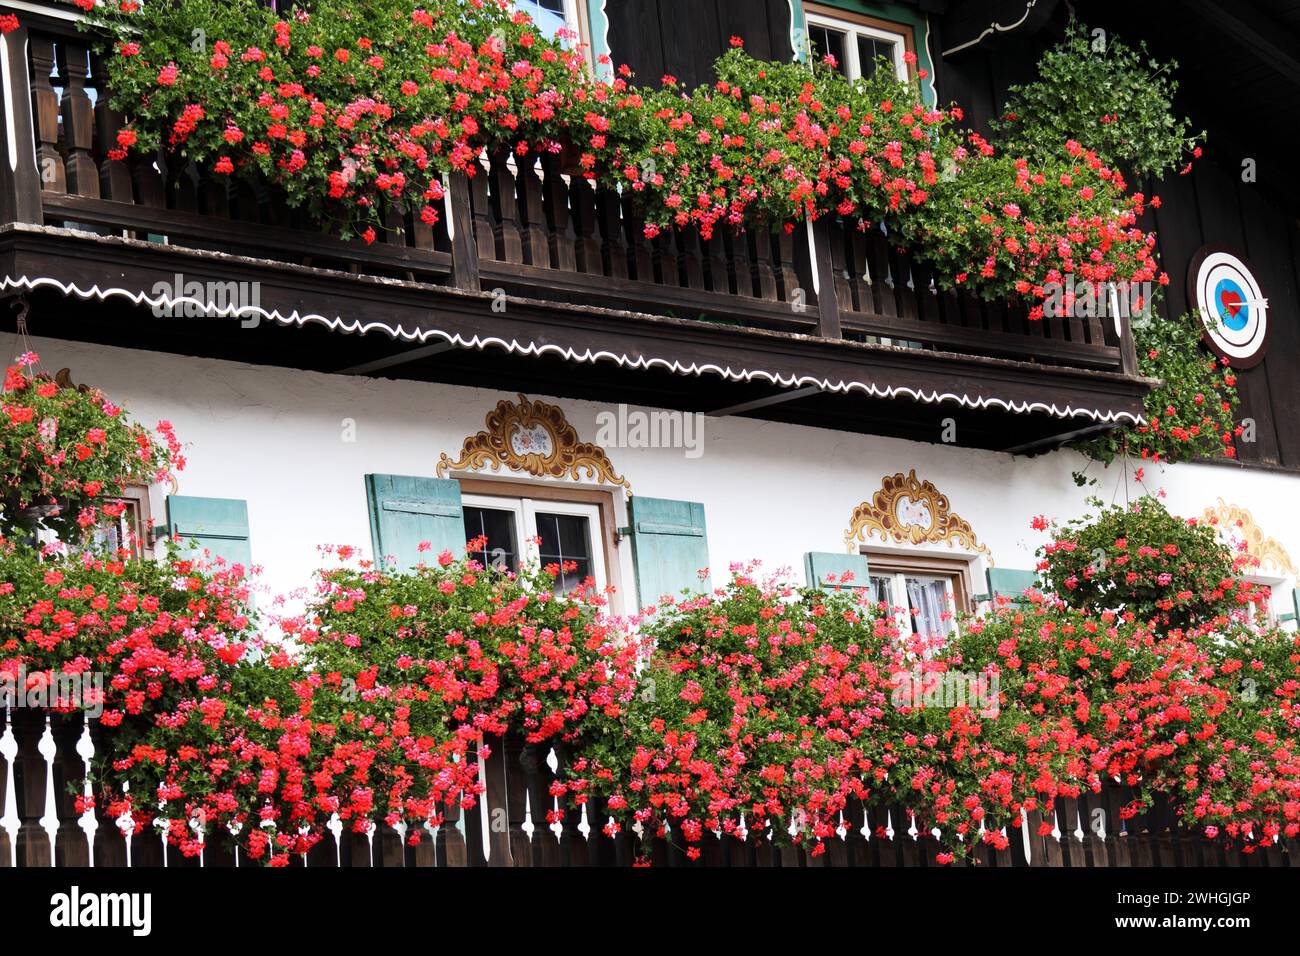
(526,530)
(1263,605)
(857,42)
(925,604)
(131,530)
(924,591)
(553,16)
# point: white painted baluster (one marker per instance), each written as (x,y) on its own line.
(889,825)
(233,828)
(527,825)
(484,816)
(335,827)
(741,830)
(268,824)
(126,823)
(639,829)
(459,822)
(1056,829)
(1024,830)
(583,826)
(370,841)
(87,822)
(302,832)
(50,818)
(556,827)
(866,826)
(841,829)
(936,832)
(1078,825)
(197,825)
(164,828)
(912,831)
(9,821)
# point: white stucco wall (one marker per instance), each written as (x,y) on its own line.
(771,491)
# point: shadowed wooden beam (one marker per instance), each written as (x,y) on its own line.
(1270,42)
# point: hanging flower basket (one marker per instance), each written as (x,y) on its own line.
(64,445)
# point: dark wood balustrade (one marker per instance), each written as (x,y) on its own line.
(525,228)
(509,826)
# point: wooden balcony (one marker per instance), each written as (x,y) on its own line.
(40,826)
(828,325)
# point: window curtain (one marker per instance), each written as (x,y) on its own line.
(929,601)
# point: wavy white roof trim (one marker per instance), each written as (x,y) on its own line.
(482,342)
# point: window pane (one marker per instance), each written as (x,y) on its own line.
(565,538)
(869,48)
(927,599)
(881,592)
(824,41)
(548,15)
(115,533)
(499,527)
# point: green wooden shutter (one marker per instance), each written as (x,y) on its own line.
(818,566)
(1294,615)
(669,547)
(218,524)
(1009,582)
(406,511)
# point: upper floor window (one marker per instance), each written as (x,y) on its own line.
(858,42)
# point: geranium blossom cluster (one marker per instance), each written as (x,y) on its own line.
(71,447)
(353,111)
(760,711)
(374,710)
(418,668)
(765,712)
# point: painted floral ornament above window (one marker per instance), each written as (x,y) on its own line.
(1237,527)
(534,438)
(908,511)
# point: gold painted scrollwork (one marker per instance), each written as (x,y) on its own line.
(1235,520)
(534,438)
(908,511)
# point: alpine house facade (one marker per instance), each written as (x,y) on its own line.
(536,368)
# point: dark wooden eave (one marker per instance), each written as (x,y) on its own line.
(92,288)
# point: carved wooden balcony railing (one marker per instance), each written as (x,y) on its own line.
(524,228)
(43,761)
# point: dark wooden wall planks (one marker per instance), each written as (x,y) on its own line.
(1210,205)
(684,37)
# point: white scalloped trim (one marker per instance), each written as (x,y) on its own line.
(339,324)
